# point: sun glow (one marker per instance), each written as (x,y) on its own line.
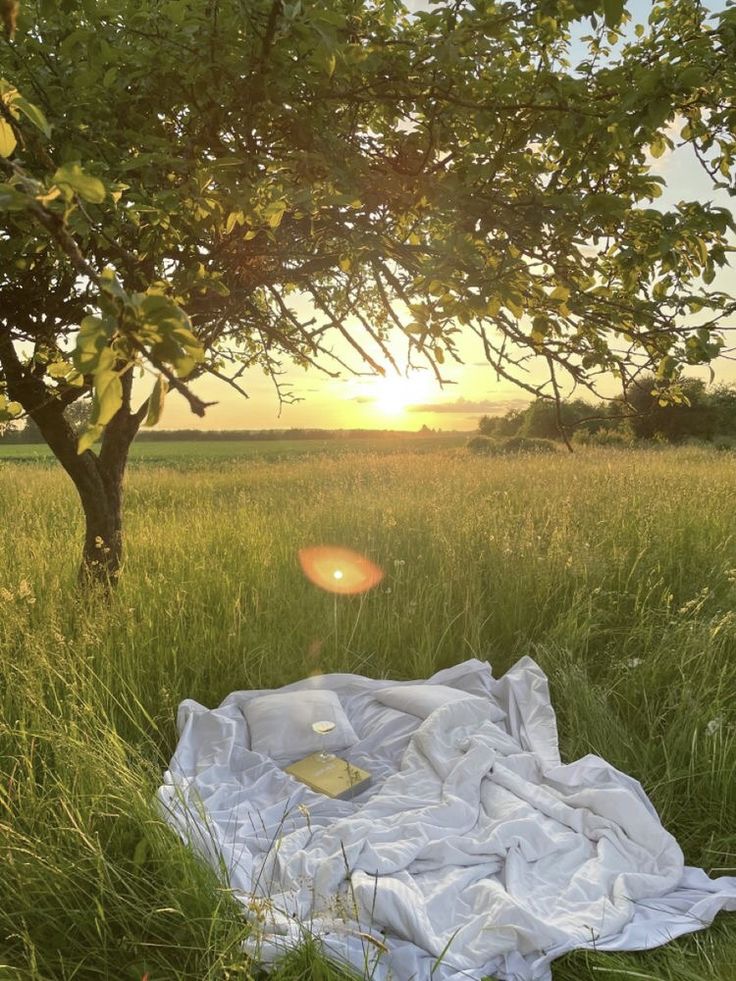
(393,394)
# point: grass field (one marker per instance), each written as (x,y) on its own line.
(616,570)
(196,453)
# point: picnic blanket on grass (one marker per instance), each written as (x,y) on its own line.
(475,853)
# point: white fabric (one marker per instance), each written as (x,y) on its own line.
(280,725)
(422,700)
(476,851)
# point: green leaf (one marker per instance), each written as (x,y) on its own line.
(540,329)
(233,219)
(8,141)
(111,285)
(9,410)
(12,199)
(513,303)
(657,146)
(32,113)
(91,342)
(58,369)
(690,77)
(108,396)
(275,212)
(613,11)
(63,371)
(73,177)
(88,438)
(156,401)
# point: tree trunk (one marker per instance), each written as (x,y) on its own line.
(102,554)
(103,541)
(97,478)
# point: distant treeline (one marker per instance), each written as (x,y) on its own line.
(208,435)
(708,414)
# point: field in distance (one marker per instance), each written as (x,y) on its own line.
(202,451)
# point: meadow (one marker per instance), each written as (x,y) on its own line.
(195,453)
(614,569)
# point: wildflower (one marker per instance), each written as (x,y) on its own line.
(714,726)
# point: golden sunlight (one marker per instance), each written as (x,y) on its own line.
(393,394)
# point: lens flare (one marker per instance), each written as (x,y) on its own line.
(339,570)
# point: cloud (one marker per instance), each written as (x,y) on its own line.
(490,406)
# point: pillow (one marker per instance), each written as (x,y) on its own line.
(422,700)
(281,725)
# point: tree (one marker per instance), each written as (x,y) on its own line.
(695,416)
(722,401)
(291,173)
(509,424)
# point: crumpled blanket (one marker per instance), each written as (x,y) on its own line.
(478,852)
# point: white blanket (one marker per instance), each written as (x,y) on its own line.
(475,852)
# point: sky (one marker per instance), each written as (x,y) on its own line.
(396,402)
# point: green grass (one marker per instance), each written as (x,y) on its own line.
(198,453)
(616,570)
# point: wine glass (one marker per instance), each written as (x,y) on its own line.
(323,728)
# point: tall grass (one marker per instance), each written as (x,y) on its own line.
(616,570)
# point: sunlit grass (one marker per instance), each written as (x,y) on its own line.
(616,570)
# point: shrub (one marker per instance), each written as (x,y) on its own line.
(487,446)
(618,436)
(529,444)
(724,443)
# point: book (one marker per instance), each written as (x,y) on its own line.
(333,777)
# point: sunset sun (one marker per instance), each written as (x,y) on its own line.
(393,394)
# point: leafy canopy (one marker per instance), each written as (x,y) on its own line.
(206,186)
